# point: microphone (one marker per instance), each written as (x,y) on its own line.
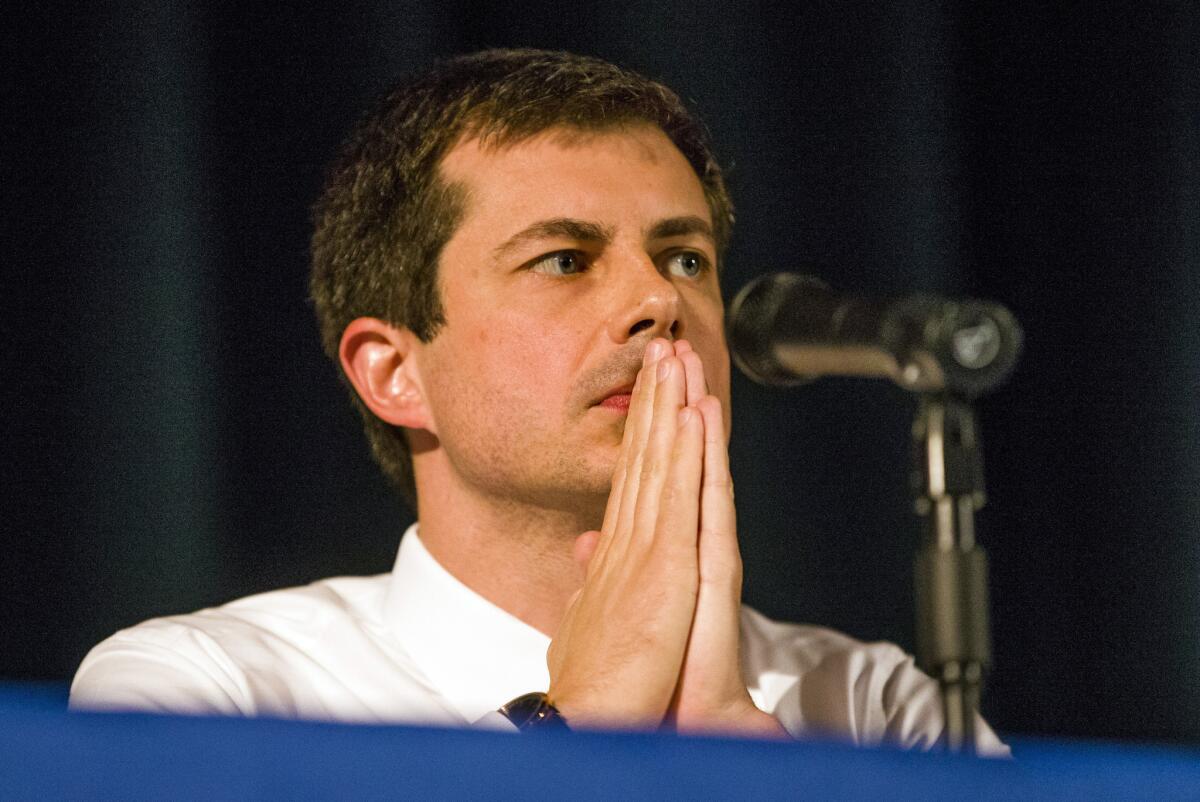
(785,329)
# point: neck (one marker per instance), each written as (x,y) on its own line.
(518,556)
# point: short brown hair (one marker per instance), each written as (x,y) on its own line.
(385,213)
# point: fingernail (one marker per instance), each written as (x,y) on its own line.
(685,415)
(664,369)
(653,352)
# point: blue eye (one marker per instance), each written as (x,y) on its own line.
(689,264)
(560,263)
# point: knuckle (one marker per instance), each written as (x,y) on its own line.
(719,482)
(670,495)
(635,468)
(652,466)
(715,533)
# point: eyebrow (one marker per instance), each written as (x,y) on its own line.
(555,228)
(680,227)
(585,231)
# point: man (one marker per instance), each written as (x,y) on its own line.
(515,266)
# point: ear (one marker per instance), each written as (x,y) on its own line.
(380,361)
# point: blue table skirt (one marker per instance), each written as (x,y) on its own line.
(48,753)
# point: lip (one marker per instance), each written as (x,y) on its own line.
(625,389)
(618,402)
(616,399)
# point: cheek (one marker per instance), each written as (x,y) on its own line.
(514,363)
(707,336)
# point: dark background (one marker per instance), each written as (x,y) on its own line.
(173,437)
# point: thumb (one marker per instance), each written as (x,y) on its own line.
(585,547)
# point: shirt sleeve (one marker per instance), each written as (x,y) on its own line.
(167,669)
(495,720)
(818,682)
(912,703)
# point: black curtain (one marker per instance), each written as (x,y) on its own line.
(173,436)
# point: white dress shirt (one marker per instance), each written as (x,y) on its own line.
(418,646)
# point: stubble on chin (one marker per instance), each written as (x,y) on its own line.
(559,476)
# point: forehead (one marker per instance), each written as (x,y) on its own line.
(615,176)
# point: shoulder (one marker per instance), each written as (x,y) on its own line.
(208,661)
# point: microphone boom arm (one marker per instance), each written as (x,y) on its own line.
(787,328)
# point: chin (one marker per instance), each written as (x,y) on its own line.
(596,483)
(595,487)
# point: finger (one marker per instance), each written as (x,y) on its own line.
(641,421)
(616,486)
(585,547)
(637,427)
(718,516)
(623,495)
(679,513)
(697,387)
(656,462)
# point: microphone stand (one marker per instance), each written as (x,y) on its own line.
(951,569)
(786,328)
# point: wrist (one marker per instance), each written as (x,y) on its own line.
(742,718)
(761,724)
(636,707)
(534,711)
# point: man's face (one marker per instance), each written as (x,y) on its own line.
(574,251)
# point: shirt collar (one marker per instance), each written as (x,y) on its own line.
(475,654)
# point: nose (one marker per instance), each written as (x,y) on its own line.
(648,304)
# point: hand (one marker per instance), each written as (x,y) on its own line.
(711,695)
(616,657)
